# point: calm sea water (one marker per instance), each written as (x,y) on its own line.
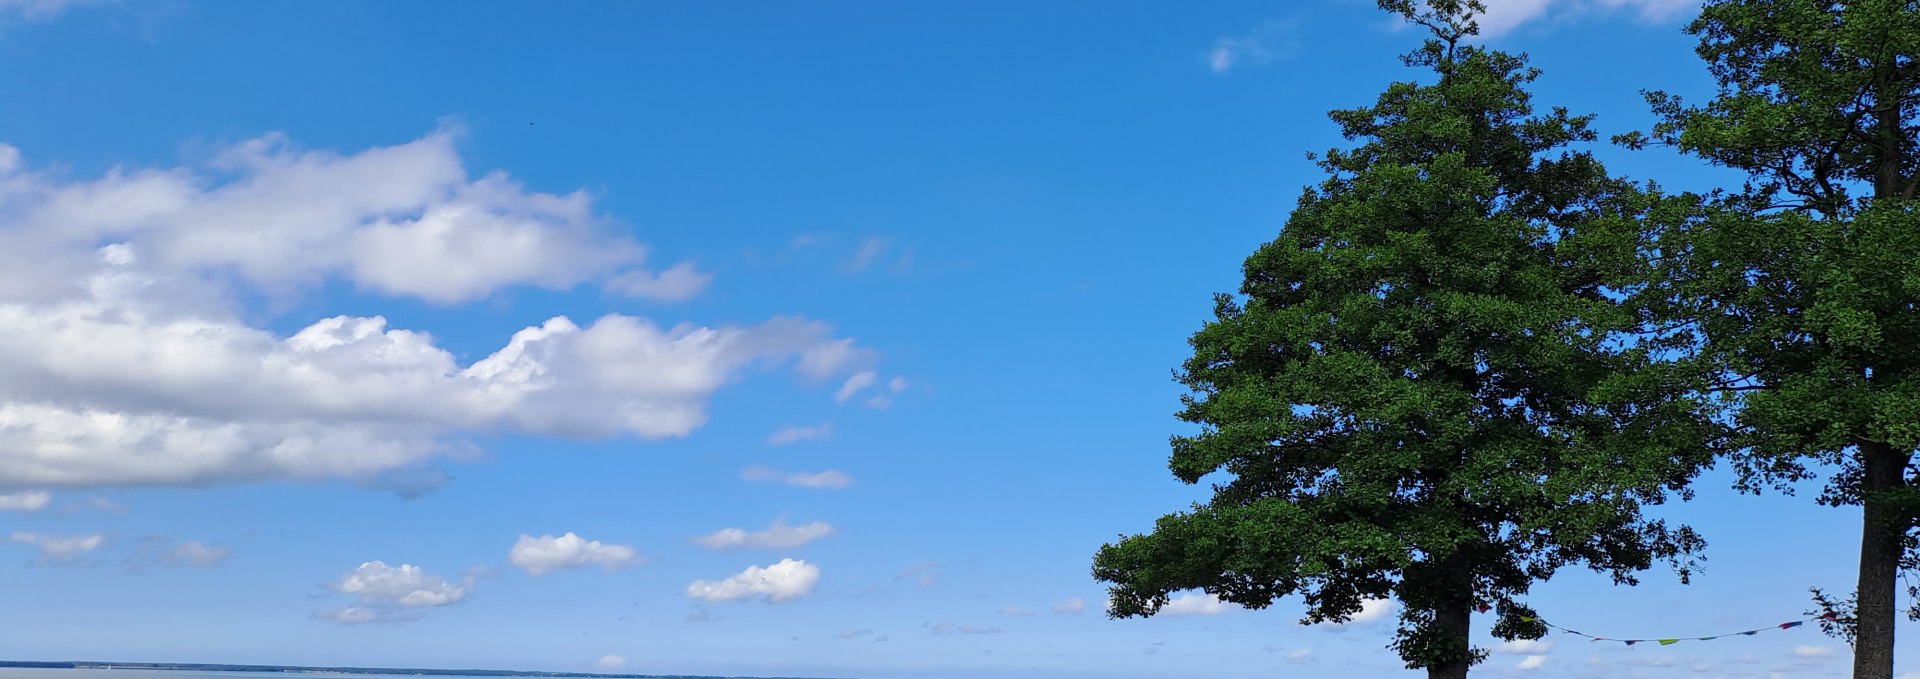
(39,673)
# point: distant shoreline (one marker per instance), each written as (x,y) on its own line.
(203,667)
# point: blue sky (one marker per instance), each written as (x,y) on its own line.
(870,313)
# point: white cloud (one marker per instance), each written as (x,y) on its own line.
(1273,41)
(1813,651)
(1017,611)
(187,553)
(1298,655)
(52,548)
(854,384)
(1194,603)
(611,662)
(1524,647)
(1532,662)
(547,553)
(25,501)
(1503,16)
(897,384)
(776,536)
(131,364)
(38,10)
(356,615)
(1073,606)
(853,633)
(678,283)
(829,479)
(949,627)
(385,593)
(796,434)
(784,581)
(1371,610)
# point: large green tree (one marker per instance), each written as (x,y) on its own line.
(1434,385)
(1802,284)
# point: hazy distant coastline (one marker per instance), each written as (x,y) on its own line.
(199,667)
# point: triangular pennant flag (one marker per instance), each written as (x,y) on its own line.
(1631,642)
(1705,638)
(1482,607)
(1669,642)
(1751,632)
(1528,618)
(1786,625)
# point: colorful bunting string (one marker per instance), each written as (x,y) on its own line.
(1829,616)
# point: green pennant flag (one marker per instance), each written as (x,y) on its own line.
(1669,642)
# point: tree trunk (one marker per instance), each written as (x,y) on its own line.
(1881,530)
(1453,615)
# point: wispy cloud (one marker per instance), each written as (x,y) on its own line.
(51,549)
(925,574)
(38,10)
(949,627)
(829,479)
(1504,16)
(1073,606)
(25,501)
(1270,42)
(777,536)
(796,434)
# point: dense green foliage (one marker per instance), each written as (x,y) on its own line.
(1802,285)
(1436,384)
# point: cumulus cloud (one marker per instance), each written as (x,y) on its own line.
(58,549)
(1371,610)
(1194,603)
(132,361)
(384,593)
(611,662)
(776,536)
(25,501)
(547,553)
(1532,662)
(1273,41)
(796,434)
(1073,606)
(829,479)
(784,581)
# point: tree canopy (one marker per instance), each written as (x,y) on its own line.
(1801,285)
(1437,384)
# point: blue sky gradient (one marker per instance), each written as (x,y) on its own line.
(1016,212)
